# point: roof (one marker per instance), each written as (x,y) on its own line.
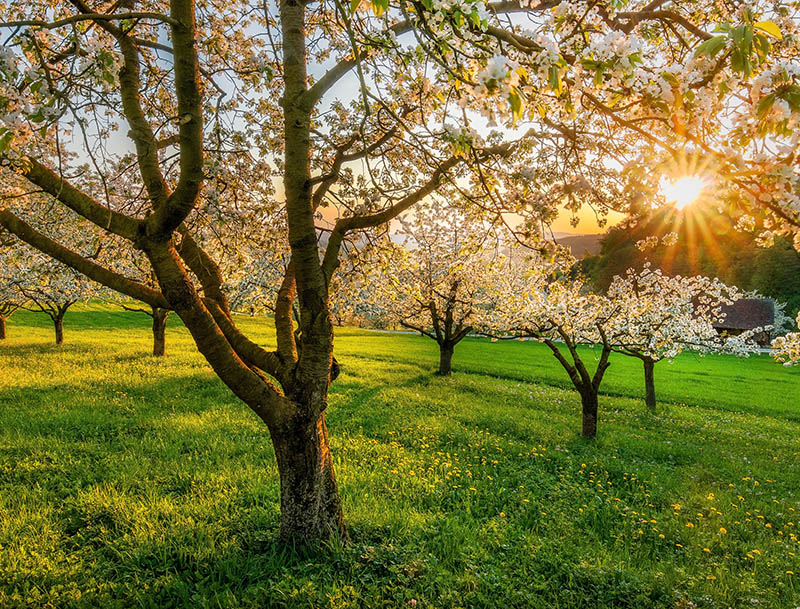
(746,314)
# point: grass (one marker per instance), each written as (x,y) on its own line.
(131,482)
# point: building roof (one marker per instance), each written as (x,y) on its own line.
(747,313)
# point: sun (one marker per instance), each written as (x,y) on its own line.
(684,191)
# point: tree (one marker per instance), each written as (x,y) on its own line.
(7,309)
(659,316)
(217,99)
(539,299)
(49,287)
(435,279)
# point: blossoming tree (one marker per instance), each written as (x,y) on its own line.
(49,287)
(538,298)
(658,317)
(216,100)
(434,276)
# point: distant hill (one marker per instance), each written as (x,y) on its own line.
(581,245)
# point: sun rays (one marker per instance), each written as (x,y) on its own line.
(683,191)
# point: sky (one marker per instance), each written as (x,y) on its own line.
(587,224)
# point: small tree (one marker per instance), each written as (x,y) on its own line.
(10,298)
(659,316)
(437,280)
(541,301)
(49,287)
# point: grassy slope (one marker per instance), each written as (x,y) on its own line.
(126,481)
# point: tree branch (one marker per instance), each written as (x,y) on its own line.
(79,202)
(92,270)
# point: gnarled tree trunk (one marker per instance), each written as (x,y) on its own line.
(445,358)
(649,383)
(2,327)
(310,505)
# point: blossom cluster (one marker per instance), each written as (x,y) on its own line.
(786,349)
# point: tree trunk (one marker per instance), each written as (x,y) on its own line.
(649,384)
(58,324)
(159,328)
(445,359)
(589,407)
(2,327)
(310,505)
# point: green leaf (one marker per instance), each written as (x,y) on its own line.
(554,79)
(765,104)
(379,7)
(737,60)
(769,28)
(670,78)
(792,96)
(711,47)
(762,46)
(6,137)
(516,104)
(38,116)
(354,4)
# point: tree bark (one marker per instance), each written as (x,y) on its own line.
(589,412)
(310,505)
(2,327)
(649,384)
(159,328)
(445,359)
(58,324)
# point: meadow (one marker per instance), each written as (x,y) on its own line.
(128,481)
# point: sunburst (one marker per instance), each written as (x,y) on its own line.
(683,191)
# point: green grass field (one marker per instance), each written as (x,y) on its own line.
(131,482)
